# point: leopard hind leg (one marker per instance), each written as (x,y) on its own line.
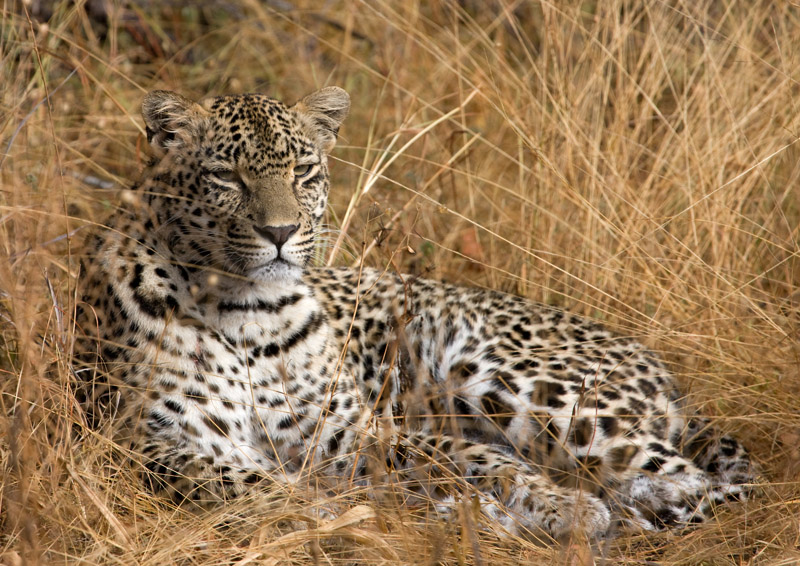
(680,483)
(513,494)
(727,463)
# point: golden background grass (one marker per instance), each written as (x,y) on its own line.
(635,162)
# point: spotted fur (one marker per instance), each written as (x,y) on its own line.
(232,362)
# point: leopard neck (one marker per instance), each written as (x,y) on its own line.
(160,287)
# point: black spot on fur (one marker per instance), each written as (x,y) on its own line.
(173,406)
(494,408)
(216,424)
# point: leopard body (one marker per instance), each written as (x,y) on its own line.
(234,363)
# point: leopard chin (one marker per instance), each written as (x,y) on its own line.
(277,271)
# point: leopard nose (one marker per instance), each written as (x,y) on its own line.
(278,235)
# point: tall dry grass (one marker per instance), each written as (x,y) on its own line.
(632,161)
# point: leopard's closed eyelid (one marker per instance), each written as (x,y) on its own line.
(303,170)
(227,175)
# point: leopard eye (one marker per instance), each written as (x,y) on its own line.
(227,176)
(301,171)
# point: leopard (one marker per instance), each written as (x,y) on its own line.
(233,362)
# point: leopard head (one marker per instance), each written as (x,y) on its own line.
(239,183)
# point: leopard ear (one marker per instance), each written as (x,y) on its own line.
(170,118)
(326,110)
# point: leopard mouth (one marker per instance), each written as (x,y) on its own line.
(272,264)
(262,264)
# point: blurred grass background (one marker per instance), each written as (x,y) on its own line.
(633,161)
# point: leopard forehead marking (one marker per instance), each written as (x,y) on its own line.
(256,133)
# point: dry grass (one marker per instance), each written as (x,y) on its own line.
(632,161)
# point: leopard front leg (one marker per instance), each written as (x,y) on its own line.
(186,476)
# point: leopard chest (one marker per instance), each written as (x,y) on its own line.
(250,389)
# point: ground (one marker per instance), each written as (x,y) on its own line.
(632,162)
